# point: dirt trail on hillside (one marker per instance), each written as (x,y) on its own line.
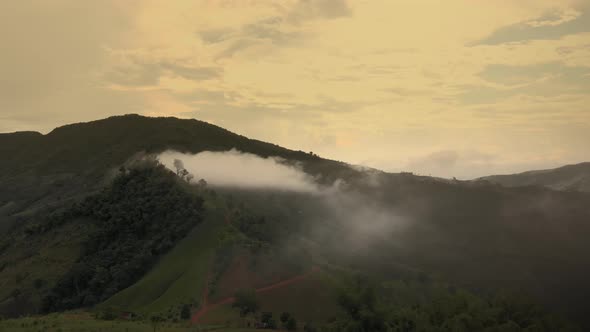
(206,306)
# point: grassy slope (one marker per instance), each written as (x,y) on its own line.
(67,322)
(82,322)
(43,257)
(181,274)
(248,270)
(312,299)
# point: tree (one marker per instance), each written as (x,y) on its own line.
(267,320)
(179,165)
(246,302)
(184,174)
(291,324)
(15,293)
(285,318)
(360,303)
(107,313)
(185,312)
(39,283)
(181,171)
(265,317)
(156,320)
(308,327)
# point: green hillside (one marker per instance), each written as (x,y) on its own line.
(46,172)
(100,245)
(90,221)
(180,276)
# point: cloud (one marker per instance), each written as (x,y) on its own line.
(331,8)
(405,92)
(546,79)
(270,30)
(566,50)
(352,217)
(135,71)
(243,170)
(214,36)
(554,18)
(283,29)
(518,75)
(545,72)
(326,9)
(553,25)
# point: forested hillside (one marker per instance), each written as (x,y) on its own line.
(128,225)
(53,170)
(83,223)
(96,146)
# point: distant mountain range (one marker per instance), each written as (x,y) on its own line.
(566,178)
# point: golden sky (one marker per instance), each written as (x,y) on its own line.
(450,88)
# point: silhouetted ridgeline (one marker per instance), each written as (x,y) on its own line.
(570,178)
(95,146)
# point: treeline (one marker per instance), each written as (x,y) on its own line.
(408,306)
(139,217)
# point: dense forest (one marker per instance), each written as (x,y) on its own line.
(424,305)
(138,218)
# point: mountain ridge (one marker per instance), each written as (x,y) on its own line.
(574,177)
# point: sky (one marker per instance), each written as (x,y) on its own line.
(454,88)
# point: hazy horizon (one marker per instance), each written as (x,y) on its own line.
(447,89)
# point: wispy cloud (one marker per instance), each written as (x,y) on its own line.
(242,170)
(552,25)
(547,79)
(136,71)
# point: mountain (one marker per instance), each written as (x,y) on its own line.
(44,171)
(570,177)
(89,220)
(96,146)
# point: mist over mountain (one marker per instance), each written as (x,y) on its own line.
(112,214)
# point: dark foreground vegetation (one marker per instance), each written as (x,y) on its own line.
(404,306)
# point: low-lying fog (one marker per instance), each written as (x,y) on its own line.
(360,218)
